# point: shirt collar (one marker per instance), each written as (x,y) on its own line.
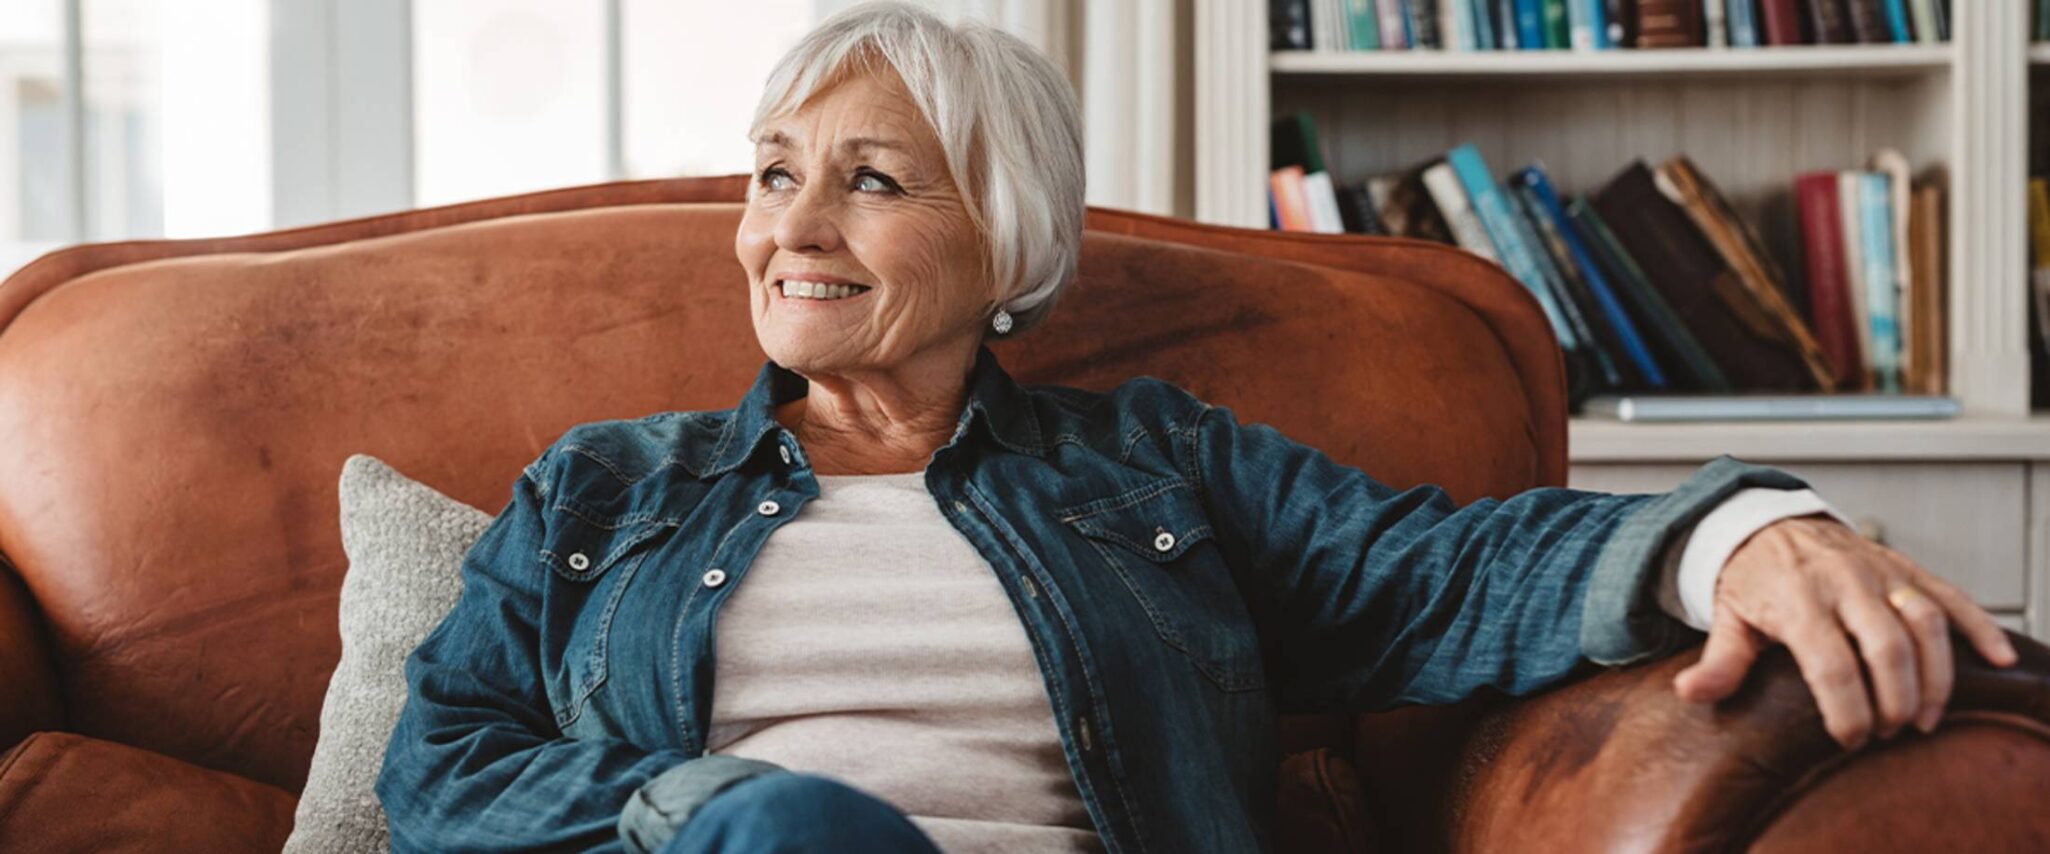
(993,399)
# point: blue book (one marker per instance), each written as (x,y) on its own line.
(1517,248)
(1530,24)
(1743,22)
(1483,25)
(1590,272)
(1897,21)
(1875,227)
(1589,25)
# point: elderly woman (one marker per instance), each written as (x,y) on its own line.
(894,601)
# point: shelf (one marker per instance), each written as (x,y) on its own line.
(1591,440)
(1778,62)
(2039,53)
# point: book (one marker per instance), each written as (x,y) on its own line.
(1689,364)
(1781,21)
(1392,22)
(1622,29)
(1557,31)
(1922,15)
(1851,227)
(2039,245)
(1363,19)
(1405,207)
(1759,297)
(1743,23)
(1458,211)
(1829,306)
(1899,184)
(1668,23)
(1926,339)
(1322,196)
(1754,407)
(1291,202)
(1482,21)
(1456,24)
(1867,21)
(1715,23)
(1505,230)
(1573,257)
(1530,24)
(1599,346)
(1423,24)
(1588,26)
(1292,141)
(1288,25)
(1826,22)
(1503,14)
(1898,30)
(1882,309)
(1356,209)
(1692,277)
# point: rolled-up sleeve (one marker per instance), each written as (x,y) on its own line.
(1372,597)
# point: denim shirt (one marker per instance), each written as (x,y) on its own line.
(1183,579)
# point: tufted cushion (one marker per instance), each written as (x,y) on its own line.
(405,543)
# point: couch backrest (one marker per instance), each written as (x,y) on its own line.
(174,414)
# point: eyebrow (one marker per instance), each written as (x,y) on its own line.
(856,143)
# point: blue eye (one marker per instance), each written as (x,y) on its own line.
(769,176)
(871,184)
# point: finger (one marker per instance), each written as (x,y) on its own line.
(1732,646)
(1924,619)
(1978,626)
(1829,667)
(1891,660)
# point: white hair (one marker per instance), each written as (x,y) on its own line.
(1006,118)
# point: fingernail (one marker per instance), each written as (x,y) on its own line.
(1927,722)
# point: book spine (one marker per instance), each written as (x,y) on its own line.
(1458,212)
(2039,239)
(1876,231)
(1617,15)
(1828,305)
(1558,34)
(1423,24)
(1867,21)
(1635,285)
(1826,24)
(1503,14)
(1782,20)
(1590,31)
(1897,30)
(1743,23)
(1715,22)
(1452,21)
(1579,259)
(1364,22)
(1483,24)
(1925,230)
(1850,226)
(1516,250)
(1567,287)
(1290,205)
(1288,25)
(1924,12)
(1664,23)
(1392,23)
(1530,24)
(1323,198)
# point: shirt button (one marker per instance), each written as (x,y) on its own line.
(1164,542)
(1031,590)
(768,508)
(960,506)
(579,562)
(715,577)
(785,451)
(1082,731)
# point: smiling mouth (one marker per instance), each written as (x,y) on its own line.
(820,291)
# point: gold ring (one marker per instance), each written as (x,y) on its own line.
(1902,596)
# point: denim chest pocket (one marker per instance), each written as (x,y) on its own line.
(594,560)
(1159,542)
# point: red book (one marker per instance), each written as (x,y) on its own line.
(1782,21)
(1829,302)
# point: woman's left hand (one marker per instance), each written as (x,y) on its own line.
(1834,597)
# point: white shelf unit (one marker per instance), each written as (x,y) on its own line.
(1752,119)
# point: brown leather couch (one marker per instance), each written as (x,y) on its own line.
(174,416)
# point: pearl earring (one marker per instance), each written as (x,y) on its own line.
(1001,323)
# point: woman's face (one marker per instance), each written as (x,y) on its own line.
(852,203)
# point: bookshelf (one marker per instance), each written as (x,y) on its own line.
(1751,119)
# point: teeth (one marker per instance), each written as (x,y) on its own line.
(819,290)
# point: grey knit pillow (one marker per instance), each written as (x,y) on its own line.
(406,544)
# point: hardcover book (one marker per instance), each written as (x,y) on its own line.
(1505,230)
(1606,317)
(1927,339)
(1690,365)
(1829,305)
(1669,23)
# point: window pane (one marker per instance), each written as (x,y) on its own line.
(35,209)
(509,96)
(691,75)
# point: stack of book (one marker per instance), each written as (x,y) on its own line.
(1599,24)
(1652,283)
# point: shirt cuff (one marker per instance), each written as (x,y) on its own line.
(661,805)
(1718,535)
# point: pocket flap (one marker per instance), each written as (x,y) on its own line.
(1158,521)
(579,548)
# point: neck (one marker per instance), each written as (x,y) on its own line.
(880,421)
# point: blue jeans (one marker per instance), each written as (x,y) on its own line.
(785,812)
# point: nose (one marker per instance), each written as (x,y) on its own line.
(807,223)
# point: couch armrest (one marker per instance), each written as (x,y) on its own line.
(1618,761)
(62,791)
(33,702)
